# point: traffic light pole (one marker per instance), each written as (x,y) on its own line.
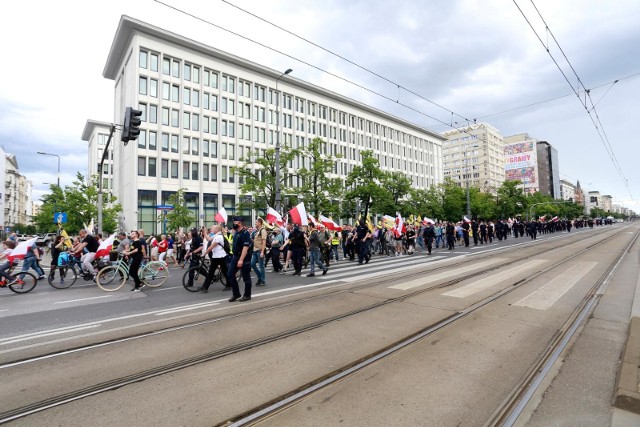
(100,168)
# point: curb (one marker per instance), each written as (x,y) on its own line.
(627,393)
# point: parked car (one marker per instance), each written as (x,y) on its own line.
(46,239)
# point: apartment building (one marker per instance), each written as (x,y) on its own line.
(205,109)
(474,155)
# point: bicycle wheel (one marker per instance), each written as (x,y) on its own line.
(199,276)
(67,276)
(25,282)
(111,278)
(154,274)
(219,276)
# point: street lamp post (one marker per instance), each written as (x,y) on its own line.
(279,101)
(55,155)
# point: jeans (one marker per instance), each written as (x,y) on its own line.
(314,259)
(439,241)
(334,251)
(257,263)
(31,262)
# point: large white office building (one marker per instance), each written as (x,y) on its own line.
(205,109)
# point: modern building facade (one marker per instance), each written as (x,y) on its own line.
(521,161)
(607,203)
(593,200)
(96,134)
(17,194)
(204,110)
(567,191)
(474,155)
(548,170)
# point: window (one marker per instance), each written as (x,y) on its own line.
(196,75)
(143,59)
(175,118)
(175,69)
(143,109)
(142,164)
(142,86)
(195,99)
(153,88)
(194,171)
(186,120)
(185,145)
(214,173)
(174,169)
(166,89)
(205,148)
(205,172)
(224,150)
(206,77)
(154,62)
(214,80)
(166,66)
(214,126)
(165,142)
(232,130)
(187,72)
(152,166)
(195,143)
(214,103)
(175,93)
(153,113)
(164,168)
(165,116)
(223,106)
(185,170)
(174,144)
(223,128)
(205,124)
(186,96)
(153,140)
(214,149)
(142,139)
(224,174)
(232,150)
(195,122)
(232,85)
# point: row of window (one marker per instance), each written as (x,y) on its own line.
(147,166)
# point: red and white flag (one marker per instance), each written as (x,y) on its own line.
(273,216)
(105,247)
(467,220)
(555,218)
(329,223)
(221,216)
(400,227)
(20,251)
(312,220)
(542,218)
(299,215)
(427,221)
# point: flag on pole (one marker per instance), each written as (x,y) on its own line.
(542,218)
(329,223)
(369,223)
(555,218)
(467,220)
(67,239)
(105,247)
(221,216)
(273,216)
(312,220)
(299,214)
(20,251)
(400,227)
(428,221)
(388,221)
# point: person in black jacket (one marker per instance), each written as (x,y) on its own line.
(450,232)
(429,235)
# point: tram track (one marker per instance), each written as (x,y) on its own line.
(346,370)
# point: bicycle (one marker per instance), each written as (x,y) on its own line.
(69,273)
(112,277)
(200,272)
(22,282)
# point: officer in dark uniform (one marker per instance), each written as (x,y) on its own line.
(474,230)
(241,260)
(429,235)
(465,233)
(362,235)
(298,243)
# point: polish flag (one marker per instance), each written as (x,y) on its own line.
(312,220)
(554,219)
(20,251)
(329,223)
(299,215)
(105,247)
(542,218)
(428,221)
(400,227)
(467,220)
(273,216)
(221,216)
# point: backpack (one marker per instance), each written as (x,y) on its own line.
(63,259)
(226,246)
(269,240)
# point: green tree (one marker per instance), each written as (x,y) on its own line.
(483,204)
(454,200)
(181,216)
(427,202)
(257,174)
(511,200)
(397,186)
(320,190)
(80,201)
(364,186)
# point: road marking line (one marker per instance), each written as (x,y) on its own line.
(494,279)
(46,334)
(435,277)
(82,299)
(387,271)
(549,294)
(177,310)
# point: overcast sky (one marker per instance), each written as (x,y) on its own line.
(476,58)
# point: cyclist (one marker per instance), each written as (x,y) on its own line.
(90,243)
(31,261)
(56,248)
(7,247)
(218,257)
(194,252)
(136,255)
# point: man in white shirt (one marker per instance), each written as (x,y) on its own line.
(218,256)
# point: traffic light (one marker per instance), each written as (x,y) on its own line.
(132,123)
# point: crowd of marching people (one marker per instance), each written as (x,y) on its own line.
(289,247)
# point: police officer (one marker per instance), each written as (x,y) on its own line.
(362,235)
(241,260)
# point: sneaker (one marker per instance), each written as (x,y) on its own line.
(261,284)
(311,275)
(324,272)
(41,277)
(201,289)
(135,289)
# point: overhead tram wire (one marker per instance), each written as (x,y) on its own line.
(599,129)
(344,79)
(347,60)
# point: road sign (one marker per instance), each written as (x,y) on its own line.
(165,207)
(59,217)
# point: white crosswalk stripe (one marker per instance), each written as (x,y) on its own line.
(545,297)
(494,279)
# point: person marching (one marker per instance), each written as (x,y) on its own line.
(315,245)
(240,261)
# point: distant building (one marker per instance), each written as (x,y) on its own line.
(17,200)
(567,191)
(474,154)
(607,203)
(96,134)
(594,200)
(4,195)
(579,194)
(548,171)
